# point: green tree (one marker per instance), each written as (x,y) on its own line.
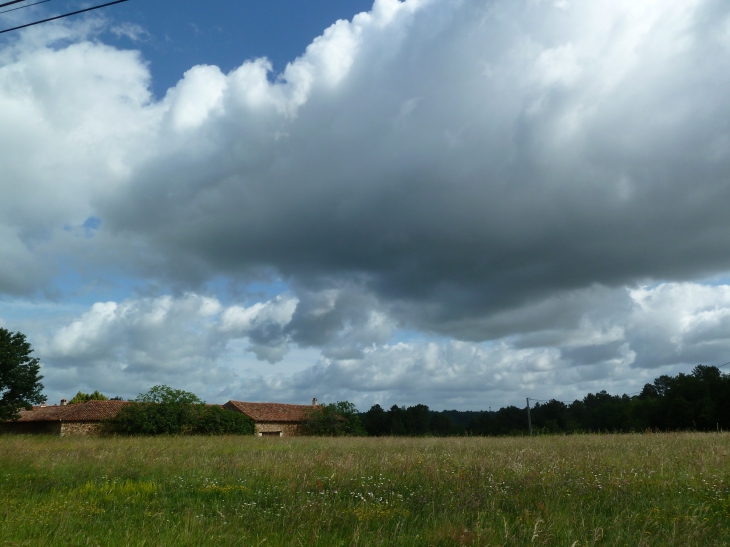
(20,384)
(81,397)
(216,420)
(161,411)
(166,395)
(418,420)
(441,424)
(333,420)
(375,421)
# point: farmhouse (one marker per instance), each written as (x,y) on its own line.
(273,419)
(63,419)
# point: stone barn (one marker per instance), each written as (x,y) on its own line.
(62,420)
(273,419)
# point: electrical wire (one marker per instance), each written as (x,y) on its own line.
(57,16)
(23,7)
(11,3)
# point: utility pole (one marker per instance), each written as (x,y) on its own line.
(529,419)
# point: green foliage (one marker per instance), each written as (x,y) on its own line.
(166,395)
(411,421)
(376,421)
(216,420)
(695,401)
(161,411)
(81,397)
(333,420)
(167,411)
(20,384)
(152,419)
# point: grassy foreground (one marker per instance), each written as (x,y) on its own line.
(653,489)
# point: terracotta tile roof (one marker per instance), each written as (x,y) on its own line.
(270,412)
(94,410)
(91,411)
(43,414)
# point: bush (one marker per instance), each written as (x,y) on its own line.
(167,395)
(333,420)
(152,419)
(166,411)
(85,397)
(216,420)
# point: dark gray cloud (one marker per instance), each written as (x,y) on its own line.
(342,321)
(470,158)
(460,197)
(195,342)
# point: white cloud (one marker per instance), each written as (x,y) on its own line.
(198,94)
(134,32)
(681,323)
(263,324)
(558,65)
(278,311)
(194,342)
(502,174)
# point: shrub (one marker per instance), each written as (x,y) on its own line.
(167,411)
(216,420)
(152,419)
(167,395)
(333,420)
(81,397)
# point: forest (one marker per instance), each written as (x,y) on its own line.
(699,401)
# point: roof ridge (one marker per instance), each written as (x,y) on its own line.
(270,412)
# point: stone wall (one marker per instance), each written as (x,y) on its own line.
(31,428)
(68,429)
(80,428)
(285,429)
(61,429)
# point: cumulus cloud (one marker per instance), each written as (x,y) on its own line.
(128,346)
(511,175)
(189,341)
(342,321)
(147,336)
(263,324)
(661,330)
(466,156)
(680,322)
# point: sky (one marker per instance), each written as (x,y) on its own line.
(460,203)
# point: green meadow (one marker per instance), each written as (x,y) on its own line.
(580,490)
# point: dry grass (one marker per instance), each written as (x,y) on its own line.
(638,490)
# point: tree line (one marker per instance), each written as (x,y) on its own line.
(697,401)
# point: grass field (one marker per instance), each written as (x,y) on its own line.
(653,489)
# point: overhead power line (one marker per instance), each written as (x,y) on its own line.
(23,7)
(57,16)
(11,3)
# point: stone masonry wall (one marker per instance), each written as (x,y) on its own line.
(286,429)
(31,428)
(80,428)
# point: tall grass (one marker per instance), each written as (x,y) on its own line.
(653,489)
